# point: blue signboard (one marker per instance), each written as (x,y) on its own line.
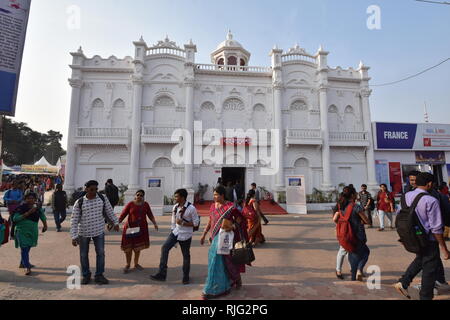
(396,135)
(13,26)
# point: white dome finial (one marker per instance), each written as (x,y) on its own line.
(229,35)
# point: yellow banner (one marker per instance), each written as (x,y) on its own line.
(38,169)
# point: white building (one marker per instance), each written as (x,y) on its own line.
(124,111)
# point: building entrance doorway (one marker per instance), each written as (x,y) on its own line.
(235,176)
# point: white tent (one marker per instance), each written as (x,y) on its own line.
(6,168)
(43,162)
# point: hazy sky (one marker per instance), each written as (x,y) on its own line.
(413,37)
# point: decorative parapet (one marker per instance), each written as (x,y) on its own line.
(298,55)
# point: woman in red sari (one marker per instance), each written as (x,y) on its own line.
(222,273)
(251,213)
(137,212)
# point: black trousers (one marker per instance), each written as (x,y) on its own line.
(185,250)
(428,262)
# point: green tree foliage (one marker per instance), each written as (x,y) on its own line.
(23,145)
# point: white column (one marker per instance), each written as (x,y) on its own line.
(136,137)
(189,126)
(326,161)
(69,181)
(280,178)
(370,154)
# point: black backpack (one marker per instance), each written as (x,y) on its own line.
(412,234)
(107,219)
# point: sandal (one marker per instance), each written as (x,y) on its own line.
(126,270)
(28,272)
(339,276)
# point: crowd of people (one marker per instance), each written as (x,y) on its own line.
(94,209)
(426,205)
(422,218)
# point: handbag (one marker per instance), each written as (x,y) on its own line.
(134,232)
(242,252)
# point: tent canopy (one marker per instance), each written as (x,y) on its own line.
(43,162)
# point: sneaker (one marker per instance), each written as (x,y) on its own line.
(418,287)
(186,281)
(101,280)
(404,292)
(86,280)
(442,285)
(158,277)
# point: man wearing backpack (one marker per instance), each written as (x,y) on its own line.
(425,231)
(441,282)
(185,221)
(88,222)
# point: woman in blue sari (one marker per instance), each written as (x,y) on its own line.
(222,273)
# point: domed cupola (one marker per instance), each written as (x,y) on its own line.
(230,52)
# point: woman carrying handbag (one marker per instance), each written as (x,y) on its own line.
(135,236)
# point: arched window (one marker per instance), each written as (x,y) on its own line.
(208,115)
(233,116)
(299,114)
(232,61)
(333,109)
(97,114)
(243,62)
(333,118)
(164,111)
(162,163)
(221,62)
(259,117)
(118,114)
(119,103)
(98,103)
(349,119)
(164,101)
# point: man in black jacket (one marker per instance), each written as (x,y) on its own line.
(112,193)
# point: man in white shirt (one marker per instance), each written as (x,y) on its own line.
(184,219)
(88,222)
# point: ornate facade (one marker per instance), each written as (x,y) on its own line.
(124,111)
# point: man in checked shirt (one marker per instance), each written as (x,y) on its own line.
(88,222)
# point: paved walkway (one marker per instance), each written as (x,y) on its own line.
(297,262)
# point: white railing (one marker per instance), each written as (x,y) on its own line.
(304,134)
(152,131)
(170,51)
(348,136)
(298,57)
(218,67)
(103,133)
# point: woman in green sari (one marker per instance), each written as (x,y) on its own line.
(26,218)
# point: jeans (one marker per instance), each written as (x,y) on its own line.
(428,262)
(60,217)
(185,250)
(389,215)
(358,259)
(25,257)
(99,243)
(340,259)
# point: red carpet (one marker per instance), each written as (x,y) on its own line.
(266,207)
